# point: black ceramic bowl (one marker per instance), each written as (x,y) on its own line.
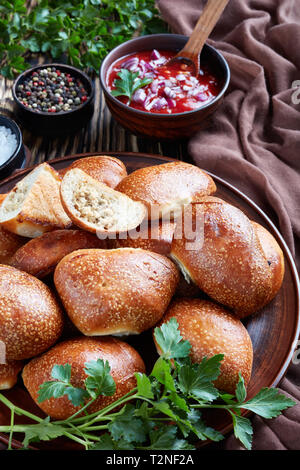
(61,123)
(18,157)
(164,126)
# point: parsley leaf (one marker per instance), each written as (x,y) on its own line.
(269,403)
(99,381)
(170,341)
(61,386)
(44,431)
(144,385)
(165,439)
(106,442)
(196,380)
(242,430)
(129,83)
(62,373)
(127,426)
(162,372)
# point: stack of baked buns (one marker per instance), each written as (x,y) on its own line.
(90,255)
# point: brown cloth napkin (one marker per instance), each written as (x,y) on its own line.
(254,139)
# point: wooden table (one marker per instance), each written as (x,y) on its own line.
(102,133)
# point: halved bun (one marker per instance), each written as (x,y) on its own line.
(107,170)
(124,362)
(228,264)
(97,208)
(166,188)
(211,330)
(40,255)
(30,318)
(121,291)
(33,206)
(9,374)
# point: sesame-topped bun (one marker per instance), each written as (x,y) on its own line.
(124,362)
(119,291)
(224,258)
(40,255)
(166,188)
(211,330)
(9,374)
(30,318)
(107,170)
(274,256)
(154,235)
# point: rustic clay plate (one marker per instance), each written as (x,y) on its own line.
(274,330)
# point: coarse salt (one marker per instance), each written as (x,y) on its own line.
(8,144)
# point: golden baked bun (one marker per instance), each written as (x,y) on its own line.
(120,291)
(107,170)
(211,330)
(40,255)
(165,189)
(274,256)
(228,263)
(124,362)
(154,236)
(9,374)
(33,206)
(30,318)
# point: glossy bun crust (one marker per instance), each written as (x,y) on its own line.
(213,330)
(124,361)
(229,264)
(30,318)
(125,291)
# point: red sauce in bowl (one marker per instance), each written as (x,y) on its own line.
(173,89)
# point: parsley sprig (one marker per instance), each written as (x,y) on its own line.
(163,412)
(79,32)
(128,83)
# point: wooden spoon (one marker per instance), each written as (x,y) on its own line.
(190,54)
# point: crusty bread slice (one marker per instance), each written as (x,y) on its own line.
(33,206)
(97,208)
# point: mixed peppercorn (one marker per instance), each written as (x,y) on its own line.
(50,90)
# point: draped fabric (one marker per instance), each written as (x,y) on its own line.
(253,140)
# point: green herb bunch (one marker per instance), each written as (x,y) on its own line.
(81,32)
(162,412)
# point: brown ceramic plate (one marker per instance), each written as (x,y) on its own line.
(274,331)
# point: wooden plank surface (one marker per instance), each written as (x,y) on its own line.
(102,133)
